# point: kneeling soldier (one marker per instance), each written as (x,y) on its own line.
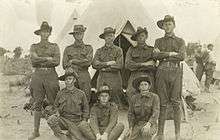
(143,111)
(72,110)
(104,117)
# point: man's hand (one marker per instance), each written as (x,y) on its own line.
(49,58)
(109,63)
(146,128)
(98,136)
(104,136)
(156,50)
(128,133)
(148,63)
(172,53)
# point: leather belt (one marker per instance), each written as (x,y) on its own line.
(45,69)
(170,64)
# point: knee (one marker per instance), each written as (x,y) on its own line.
(53,120)
(83,124)
(175,103)
(38,106)
(121,126)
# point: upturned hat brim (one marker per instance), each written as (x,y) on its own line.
(63,77)
(37,32)
(160,22)
(136,82)
(102,36)
(82,31)
(134,36)
(103,91)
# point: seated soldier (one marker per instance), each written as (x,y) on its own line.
(104,117)
(72,110)
(143,111)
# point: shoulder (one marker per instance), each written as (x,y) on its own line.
(180,40)
(147,47)
(134,97)
(117,49)
(99,50)
(95,107)
(155,96)
(81,93)
(159,39)
(53,44)
(68,47)
(88,46)
(34,45)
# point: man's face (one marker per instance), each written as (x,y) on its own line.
(168,26)
(141,38)
(69,81)
(18,54)
(45,35)
(144,86)
(104,98)
(78,36)
(210,47)
(109,38)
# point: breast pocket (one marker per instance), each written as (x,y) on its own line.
(135,55)
(83,53)
(148,108)
(137,108)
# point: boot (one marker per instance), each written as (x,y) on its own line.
(86,131)
(58,132)
(177,121)
(35,134)
(161,124)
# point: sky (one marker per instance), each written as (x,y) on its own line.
(196,20)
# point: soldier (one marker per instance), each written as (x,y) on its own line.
(104,117)
(17,52)
(108,60)
(2,58)
(140,60)
(45,56)
(143,111)
(72,109)
(169,50)
(209,67)
(201,57)
(78,57)
(3,51)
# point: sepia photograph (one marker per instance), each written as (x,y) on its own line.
(109,69)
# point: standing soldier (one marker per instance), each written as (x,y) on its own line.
(17,52)
(78,57)
(108,60)
(169,50)
(209,67)
(140,60)
(199,57)
(45,56)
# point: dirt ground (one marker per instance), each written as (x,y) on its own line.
(17,124)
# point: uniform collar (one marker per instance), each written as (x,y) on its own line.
(172,35)
(78,44)
(104,106)
(146,95)
(144,46)
(108,47)
(71,91)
